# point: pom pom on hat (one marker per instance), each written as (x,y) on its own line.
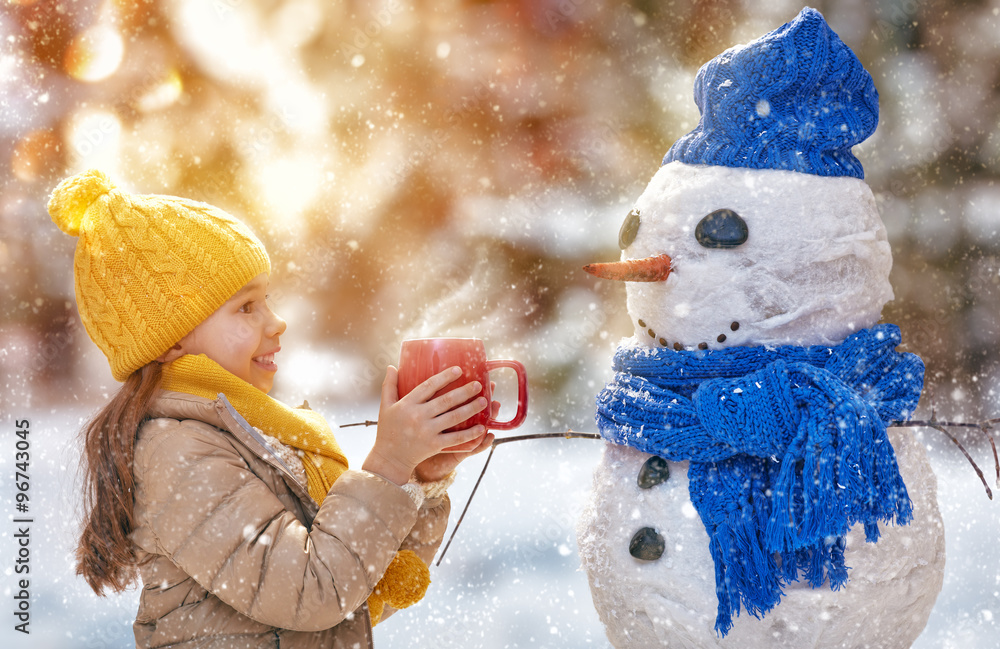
(71,198)
(148,269)
(796,98)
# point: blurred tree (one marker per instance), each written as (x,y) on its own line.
(433,168)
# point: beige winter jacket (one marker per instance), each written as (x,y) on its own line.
(236,552)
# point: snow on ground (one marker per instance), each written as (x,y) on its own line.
(512,577)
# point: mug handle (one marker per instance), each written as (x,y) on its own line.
(522,395)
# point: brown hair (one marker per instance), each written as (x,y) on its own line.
(105,555)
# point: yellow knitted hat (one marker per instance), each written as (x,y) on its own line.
(148,269)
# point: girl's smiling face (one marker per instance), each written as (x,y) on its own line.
(241,336)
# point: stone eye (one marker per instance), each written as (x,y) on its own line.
(629,229)
(721,229)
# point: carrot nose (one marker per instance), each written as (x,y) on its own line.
(647,269)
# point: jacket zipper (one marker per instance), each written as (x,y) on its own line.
(271,458)
(368,626)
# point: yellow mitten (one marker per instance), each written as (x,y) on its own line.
(404,583)
(375,607)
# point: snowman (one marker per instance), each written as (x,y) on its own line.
(751,492)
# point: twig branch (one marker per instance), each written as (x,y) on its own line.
(366,422)
(569,434)
(975,466)
(941,426)
(467,503)
(496,442)
(930,423)
(985,427)
(993,445)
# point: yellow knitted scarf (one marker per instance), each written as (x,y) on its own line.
(407,577)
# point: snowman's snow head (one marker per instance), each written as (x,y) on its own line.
(757,257)
(759,228)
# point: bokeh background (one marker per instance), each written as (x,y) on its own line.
(445,168)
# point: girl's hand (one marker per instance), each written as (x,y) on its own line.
(437,467)
(409,429)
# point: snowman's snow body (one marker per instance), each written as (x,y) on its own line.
(671,602)
(813,269)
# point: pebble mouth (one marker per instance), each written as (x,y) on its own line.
(678,346)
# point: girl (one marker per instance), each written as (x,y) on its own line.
(238,512)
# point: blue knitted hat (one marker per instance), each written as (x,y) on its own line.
(796,98)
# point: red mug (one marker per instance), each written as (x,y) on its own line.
(422,358)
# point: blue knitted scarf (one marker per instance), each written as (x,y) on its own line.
(787,448)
